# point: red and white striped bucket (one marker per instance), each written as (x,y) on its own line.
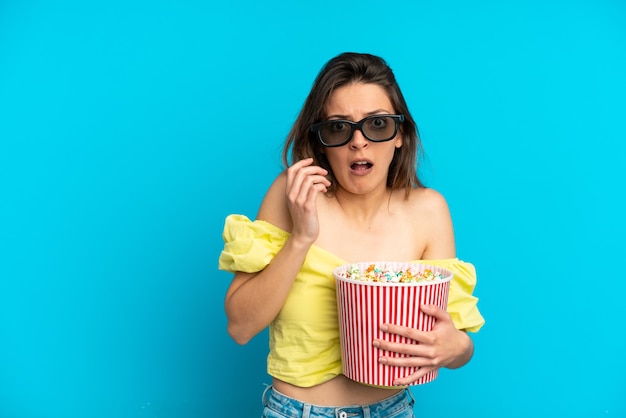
(363,306)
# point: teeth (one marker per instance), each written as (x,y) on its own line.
(361,162)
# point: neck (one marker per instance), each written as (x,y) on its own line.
(363,208)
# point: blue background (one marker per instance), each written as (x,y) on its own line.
(129,130)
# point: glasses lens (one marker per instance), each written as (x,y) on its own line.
(379,128)
(335,132)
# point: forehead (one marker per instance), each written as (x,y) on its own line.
(358,100)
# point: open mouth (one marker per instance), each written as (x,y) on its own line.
(361,165)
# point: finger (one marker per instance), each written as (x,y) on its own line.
(301,184)
(305,190)
(407,332)
(319,188)
(303,164)
(417,350)
(297,175)
(413,377)
(435,311)
(293,170)
(311,195)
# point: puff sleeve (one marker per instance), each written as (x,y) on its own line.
(249,246)
(462,304)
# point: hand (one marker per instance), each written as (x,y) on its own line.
(304,182)
(443,346)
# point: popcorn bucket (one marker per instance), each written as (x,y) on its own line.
(364,305)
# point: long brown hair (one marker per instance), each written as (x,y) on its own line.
(347,68)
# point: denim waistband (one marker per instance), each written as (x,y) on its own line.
(293,408)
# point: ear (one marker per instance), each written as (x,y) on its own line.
(399,140)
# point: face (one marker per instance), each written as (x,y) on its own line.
(360,166)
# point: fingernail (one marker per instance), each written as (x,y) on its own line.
(382,360)
(384,327)
(376,343)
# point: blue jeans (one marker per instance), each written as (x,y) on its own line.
(278,405)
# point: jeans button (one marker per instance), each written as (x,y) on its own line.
(343,414)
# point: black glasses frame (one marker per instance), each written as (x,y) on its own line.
(317,128)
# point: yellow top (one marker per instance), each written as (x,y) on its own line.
(304,337)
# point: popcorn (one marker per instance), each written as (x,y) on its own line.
(386,274)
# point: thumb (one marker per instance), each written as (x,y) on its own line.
(436,311)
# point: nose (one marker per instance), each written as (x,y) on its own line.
(358,141)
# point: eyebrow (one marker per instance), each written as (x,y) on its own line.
(372,113)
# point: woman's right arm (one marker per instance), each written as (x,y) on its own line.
(254,299)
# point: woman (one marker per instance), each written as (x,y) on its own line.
(351,194)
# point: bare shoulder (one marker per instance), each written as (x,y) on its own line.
(274,205)
(424,198)
(431,214)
